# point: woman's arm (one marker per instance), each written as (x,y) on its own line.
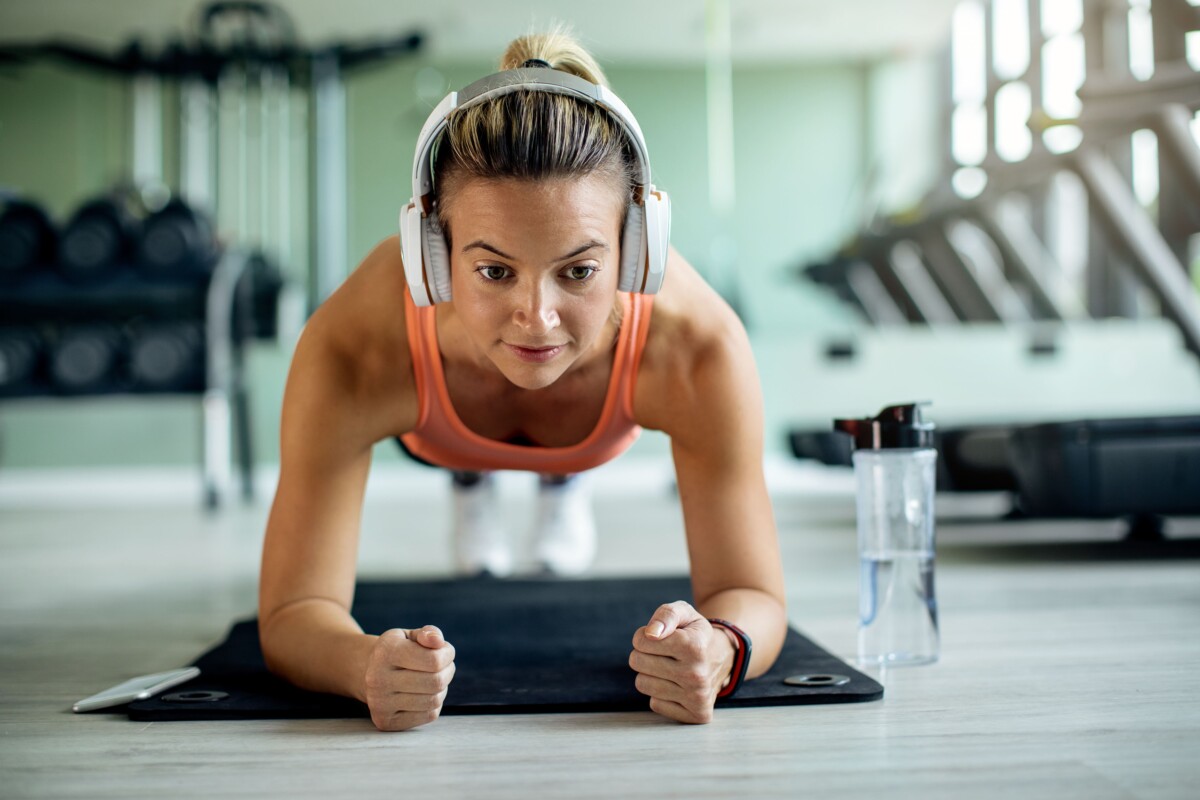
(349,386)
(702,389)
(717,445)
(310,552)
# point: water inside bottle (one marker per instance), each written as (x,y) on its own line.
(897,609)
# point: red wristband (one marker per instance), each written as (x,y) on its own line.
(741,658)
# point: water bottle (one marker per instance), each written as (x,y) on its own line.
(894,469)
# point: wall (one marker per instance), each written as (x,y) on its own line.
(803,136)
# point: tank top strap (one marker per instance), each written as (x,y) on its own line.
(638,308)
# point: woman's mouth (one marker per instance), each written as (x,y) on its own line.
(534,355)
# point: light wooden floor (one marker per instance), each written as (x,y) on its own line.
(1068,670)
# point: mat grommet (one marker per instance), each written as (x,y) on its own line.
(198,696)
(816,680)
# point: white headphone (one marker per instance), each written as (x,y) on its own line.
(647,222)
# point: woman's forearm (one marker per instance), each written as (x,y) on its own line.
(759,614)
(316,645)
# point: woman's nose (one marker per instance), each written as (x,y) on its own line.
(535,313)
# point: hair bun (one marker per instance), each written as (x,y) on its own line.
(554,49)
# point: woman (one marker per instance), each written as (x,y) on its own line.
(496,337)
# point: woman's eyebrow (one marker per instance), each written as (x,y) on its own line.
(583,248)
(482,245)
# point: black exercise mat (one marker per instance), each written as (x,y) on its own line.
(521,646)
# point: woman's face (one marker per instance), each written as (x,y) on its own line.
(533,269)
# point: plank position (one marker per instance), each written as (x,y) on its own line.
(532,316)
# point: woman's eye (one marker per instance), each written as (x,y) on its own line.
(580,273)
(494,273)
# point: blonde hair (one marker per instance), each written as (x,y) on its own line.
(558,48)
(534,135)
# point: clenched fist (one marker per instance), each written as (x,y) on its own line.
(681,662)
(407,677)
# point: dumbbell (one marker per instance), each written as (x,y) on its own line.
(100,237)
(86,359)
(20,352)
(256,303)
(166,357)
(178,243)
(27,240)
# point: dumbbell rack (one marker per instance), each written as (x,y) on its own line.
(45,296)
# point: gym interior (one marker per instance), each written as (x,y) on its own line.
(985,210)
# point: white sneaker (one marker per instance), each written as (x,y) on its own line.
(564,530)
(480,541)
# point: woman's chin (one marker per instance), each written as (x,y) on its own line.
(532,378)
(531,375)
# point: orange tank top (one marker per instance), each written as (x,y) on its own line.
(441,438)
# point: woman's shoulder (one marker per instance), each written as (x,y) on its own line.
(694,337)
(686,304)
(357,340)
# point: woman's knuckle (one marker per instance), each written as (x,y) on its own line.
(403,724)
(388,720)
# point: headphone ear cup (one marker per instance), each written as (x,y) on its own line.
(633,249)
(658,237)
(437,259)
(412,253)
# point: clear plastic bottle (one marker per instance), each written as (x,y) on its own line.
(895,470)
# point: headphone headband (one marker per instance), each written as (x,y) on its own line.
(516,80)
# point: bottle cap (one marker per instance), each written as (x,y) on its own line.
(895,426)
